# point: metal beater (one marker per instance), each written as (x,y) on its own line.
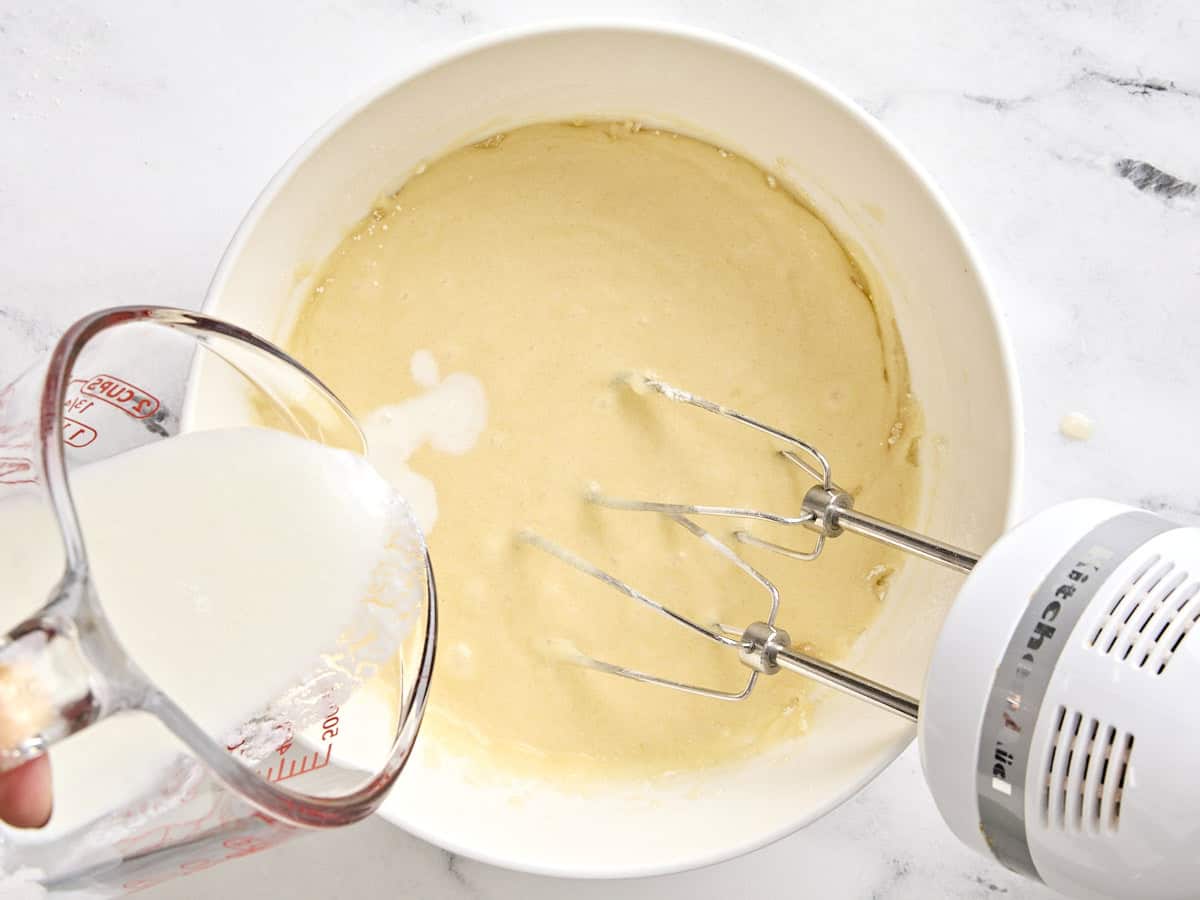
(826,509)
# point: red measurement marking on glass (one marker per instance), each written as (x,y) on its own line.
(78,405)
(74,403)
(16,470)
(309,763)
(76,434)
(128,398)
(258,833)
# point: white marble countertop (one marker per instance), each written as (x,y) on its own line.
(1065,134)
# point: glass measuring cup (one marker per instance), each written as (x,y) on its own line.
(320,753)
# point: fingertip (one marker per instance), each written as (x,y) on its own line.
(26,799)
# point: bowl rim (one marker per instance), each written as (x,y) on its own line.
(714,40)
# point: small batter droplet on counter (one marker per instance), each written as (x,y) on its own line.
(1076,426)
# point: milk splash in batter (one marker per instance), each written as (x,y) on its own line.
(448,416)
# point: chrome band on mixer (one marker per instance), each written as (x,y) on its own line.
(1023,676)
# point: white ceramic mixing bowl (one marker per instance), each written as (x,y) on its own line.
(881,205)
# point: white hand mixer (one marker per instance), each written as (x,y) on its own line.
(1052,728)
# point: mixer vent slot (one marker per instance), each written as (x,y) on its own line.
(1150,616)
(1086,768)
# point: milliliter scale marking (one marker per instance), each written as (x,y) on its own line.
(310,762)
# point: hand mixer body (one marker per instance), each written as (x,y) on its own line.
(1053,729)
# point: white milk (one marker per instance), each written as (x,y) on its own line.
(227,561)
(448,415)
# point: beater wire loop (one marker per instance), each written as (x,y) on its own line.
(717,633)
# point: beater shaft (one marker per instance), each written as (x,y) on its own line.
(767,649)
(909,541)
(848,682)
(831,511)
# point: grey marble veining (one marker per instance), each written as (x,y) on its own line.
(1065,135)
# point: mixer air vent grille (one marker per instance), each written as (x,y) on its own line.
(1150,616)
(1086,769)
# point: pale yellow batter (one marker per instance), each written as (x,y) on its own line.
(510,282)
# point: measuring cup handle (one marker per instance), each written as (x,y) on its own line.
(50,686)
